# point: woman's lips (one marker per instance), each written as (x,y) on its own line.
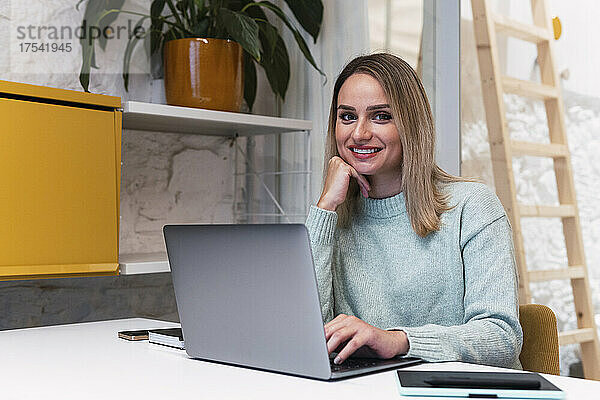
(363,156)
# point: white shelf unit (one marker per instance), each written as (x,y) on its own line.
(143,263)
(164,118)
(173,119)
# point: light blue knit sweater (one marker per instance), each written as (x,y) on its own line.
(454,292)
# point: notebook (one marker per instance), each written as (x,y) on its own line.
(172,337)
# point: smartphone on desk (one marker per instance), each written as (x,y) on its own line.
(134,335)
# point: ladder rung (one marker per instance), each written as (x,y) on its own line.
(576,336)
(539,149)
(564,210)
(530,33)
(573,272)
(529,89)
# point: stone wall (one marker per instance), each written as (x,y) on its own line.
(68,300)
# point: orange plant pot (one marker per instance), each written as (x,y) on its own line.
(204,73)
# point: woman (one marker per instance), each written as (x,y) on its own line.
(409,259)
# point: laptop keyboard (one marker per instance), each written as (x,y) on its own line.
(355,363)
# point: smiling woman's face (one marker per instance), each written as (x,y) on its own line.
(365,132)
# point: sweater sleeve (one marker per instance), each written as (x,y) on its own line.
(490,333)
(321,228)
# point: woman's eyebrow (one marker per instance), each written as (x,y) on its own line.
(375,107)
(378,106)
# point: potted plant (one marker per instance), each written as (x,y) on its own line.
(231,35)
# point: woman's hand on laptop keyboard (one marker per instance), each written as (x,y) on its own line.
(350,335)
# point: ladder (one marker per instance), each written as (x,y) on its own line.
(494,84)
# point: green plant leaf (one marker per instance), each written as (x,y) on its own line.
(202,22)
(254,12)
(200,28)
(78,4)
(173,33)
(105,22)
(201,9)
(249,80)
(277,68)
(84,74)
(237,5)
(297,36)
(242,29)
(182,7)
(91,14)
(148,44)
(175,13)
(95,11)
(268,46)
(258,15)
(156,26)
(156,8)
(133,41)
(192,7)
(309,14)
(93,63)
(268,36)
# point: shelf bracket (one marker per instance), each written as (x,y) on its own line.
(262,182)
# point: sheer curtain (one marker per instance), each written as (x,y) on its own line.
(344,35)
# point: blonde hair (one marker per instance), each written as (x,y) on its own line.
(421,177)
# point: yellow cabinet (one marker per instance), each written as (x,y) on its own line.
(60,156)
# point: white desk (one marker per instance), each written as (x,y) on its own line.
(88,361)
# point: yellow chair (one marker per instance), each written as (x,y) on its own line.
(540,339)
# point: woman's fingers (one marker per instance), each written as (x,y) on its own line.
(337,319)
(332,329)
(334,325)
(349,335)
(338,337)
(362,182)
(361,179)
(351,347)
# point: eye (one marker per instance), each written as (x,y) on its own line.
(347,116)
(382,116)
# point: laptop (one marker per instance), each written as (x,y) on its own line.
(247,296)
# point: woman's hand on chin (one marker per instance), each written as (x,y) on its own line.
(335,189)
(350,335)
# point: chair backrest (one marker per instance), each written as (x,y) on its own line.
(540,339)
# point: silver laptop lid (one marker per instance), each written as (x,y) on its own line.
(247,295)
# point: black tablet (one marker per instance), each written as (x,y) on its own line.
(525,385)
